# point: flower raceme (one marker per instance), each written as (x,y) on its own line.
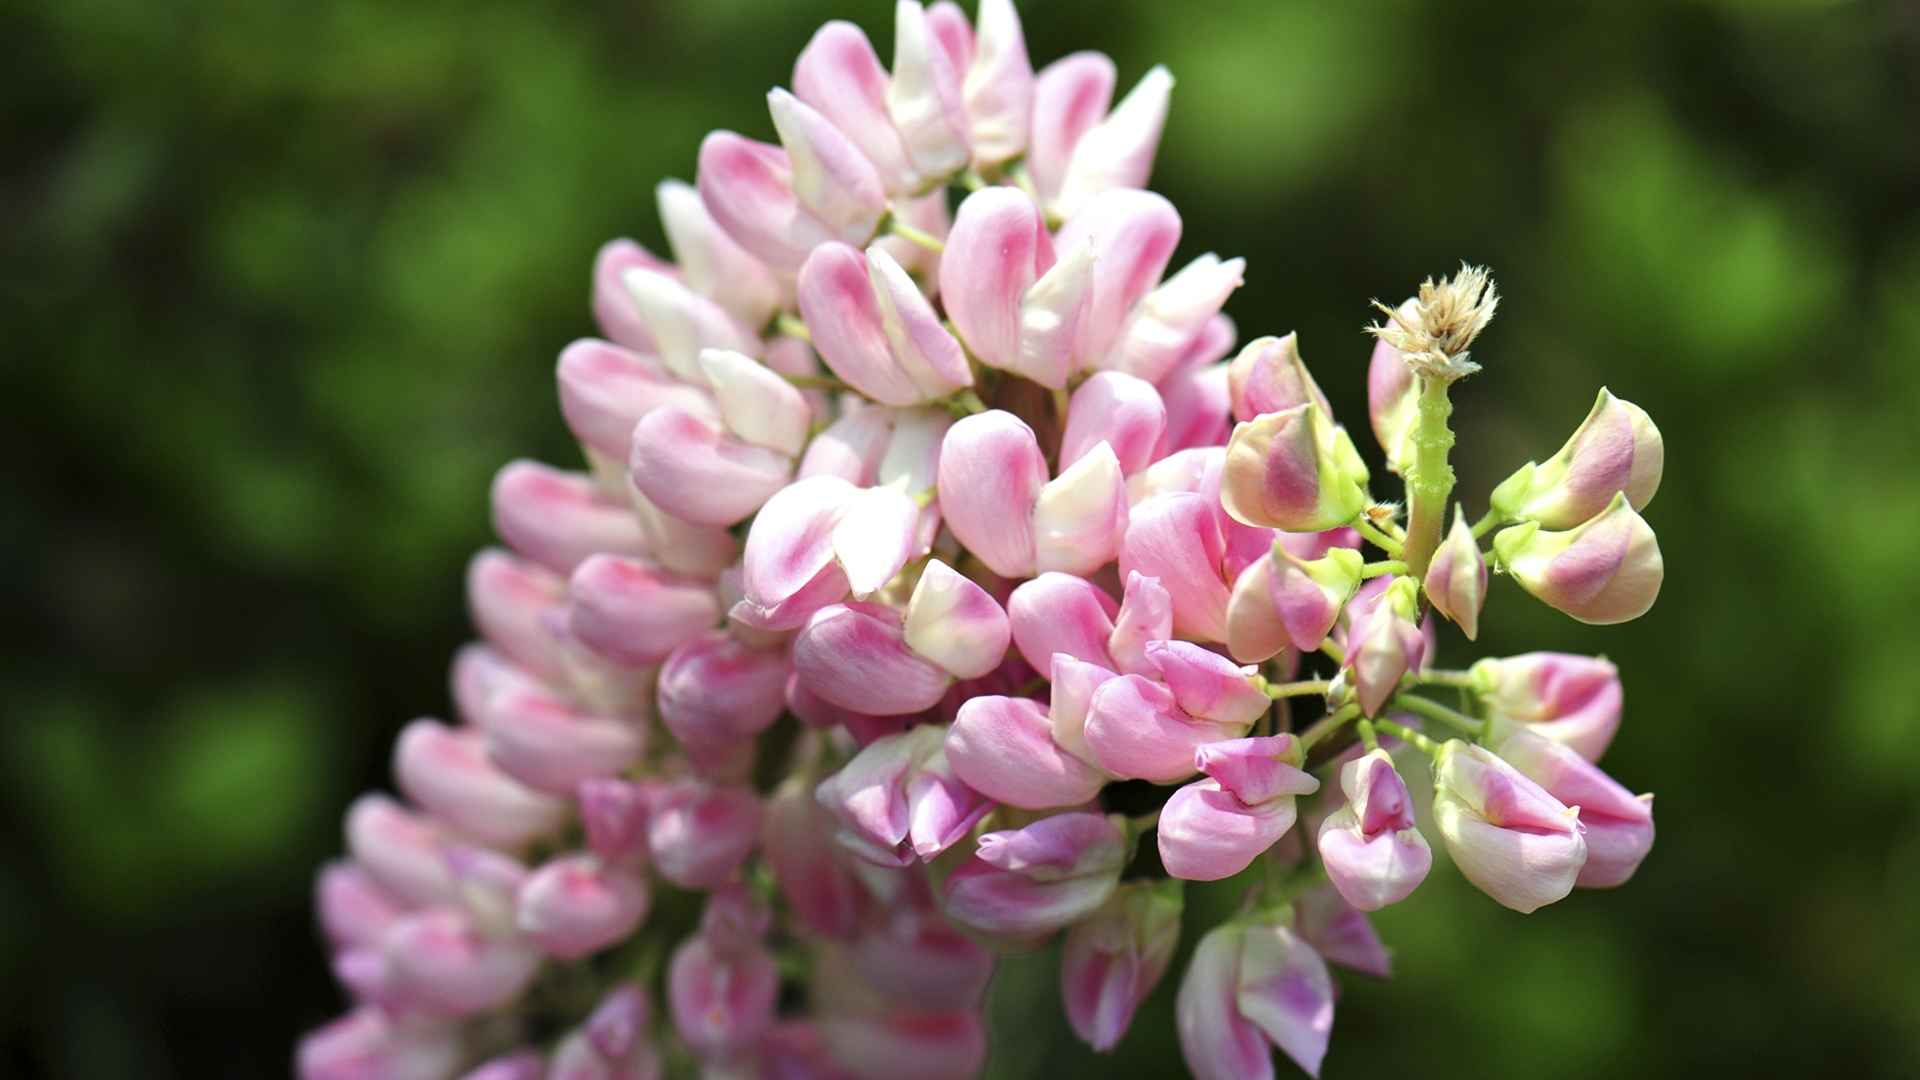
(930,548)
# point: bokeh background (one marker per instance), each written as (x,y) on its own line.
(283,284)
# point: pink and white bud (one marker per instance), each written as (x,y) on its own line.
(1373,853)
(1385,643)
(1570,699)
(1248,985)
(1605,571)
(1071,697)
(1616,449)
(1146,616)
(1618,823)
(1162,328)
(1041,878)
(1080,516)
(1013,305)
(577,904)
(438,961)
(1115,957)
(633,613)
(832,179)
(508,599)
(401,851)
(916,959)
(716,693)
(748,187)
(991,476)
(1308,595)
(1269,377)
(1293,470)
(613,307)
(955,623)
(924,97)
(683,322)
(698,835)
(900,799)
(1256,628)
(721,1001)
(1136,729)
(710,262)
(1003,747)
(552,744)
(1207,685)
(1507,834)
(1131,235)
(605,390)
(370,1042)
(447,772)
(691,468)
(613,814)
(354,909)
(839,74)
(1214,828)
(1117,153)
(1456,580)
(1176,538)
(875,329)
(1121,410)
(1070,96)
(797,838)
(1059,613)
(756,404)
(1198,406)
(789,568)
(1393,398)
(998,89)
(949,1044)
(855,655)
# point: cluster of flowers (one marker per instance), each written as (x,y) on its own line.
(897,662)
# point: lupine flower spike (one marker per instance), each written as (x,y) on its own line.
(931,584)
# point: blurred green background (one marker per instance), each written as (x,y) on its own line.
(283,284)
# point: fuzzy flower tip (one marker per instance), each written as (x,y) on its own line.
(1434,332)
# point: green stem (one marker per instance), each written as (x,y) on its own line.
(1375,537)
(1367,738)
(1408,735)
(972,181)
(1327,725)
(1433,710)
(965,403)
(790,325)
(1304,688)
(1375,569)
(907,232)
(1430,477)
(1460,679)
(1335,652)
(1487,524)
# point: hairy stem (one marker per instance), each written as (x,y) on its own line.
(1430,478)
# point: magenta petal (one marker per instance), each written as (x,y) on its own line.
(1176,538)
(1206,833)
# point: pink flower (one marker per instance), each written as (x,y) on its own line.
(447,771)
(1038,879)
(1251,986)
(1570,699)
(1373,854)
(699,835)
(576,905)
(1618,823)
(1456,580)
(371,1042)
(1507,834)
(899,799)
(1214,828)
(997,499)
(1607,570)
(1115,957)
(1616,449)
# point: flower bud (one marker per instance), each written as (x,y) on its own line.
(1121,410)
(1060,613)
(1080,516)
(1269,377)
(1605,571)
(1035,880)
(1616,449)
(508,598)
(617,1027)
(1618,823)
(710,262)
(605,390)
(757,405)
(1308,595)
(1129,235)
(875,329)
(1070,96)
(401,851)
(789,569)
(1373,853)
(748,187)
(991,476)
(1115,957)
(839,74)
(1251,984)
(1570,699)
(632,612)
(613,813)
(371,1042)
(354,910)
(1117,153)
(1293,470)
(1215,828)
(1198,405)
(999,86)
(998,249)
(1384,644)
(924,96)
(1136,729)
(1176,538)
(683,322)
(487,883)
(439,962)
(856,656)
(1207,685)
(1070,698)
(576,905)
(613,307)
(699,835)
(1003,747)
(822,894)
(899,798)
(1393,398)
(1162,327)
(716,693)
(692,469)
(700,551)
(955,623)
(721,1001)
(832,180)
(1456,580)
(916,959)
(1512,839)
(551,744)
(447,772)
(1340,933)
(1256,631)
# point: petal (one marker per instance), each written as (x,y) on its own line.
(1003,748)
